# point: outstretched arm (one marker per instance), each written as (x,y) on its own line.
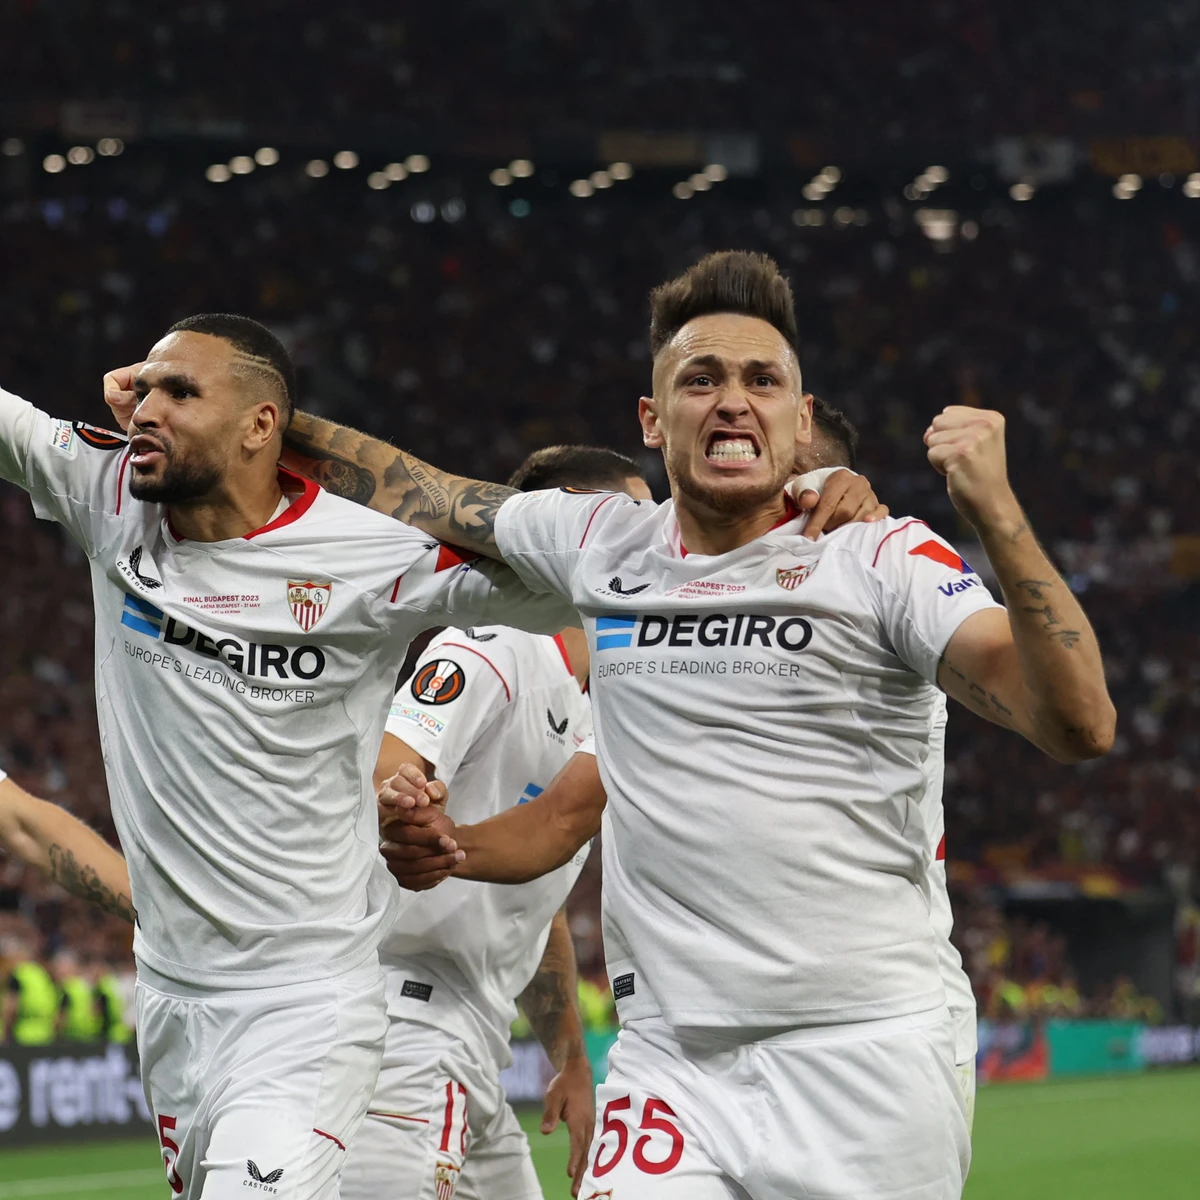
(1037,668)
(551,1003)
(47,837)
(371,472)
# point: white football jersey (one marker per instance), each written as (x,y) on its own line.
(242,688)
(499,713)
(762,718)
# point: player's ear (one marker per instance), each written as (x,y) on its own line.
(264,425)
(804,419)
(648,416)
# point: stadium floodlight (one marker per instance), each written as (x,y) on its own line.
(1191,189)
(110,147)
(520,168)
(11,147)
(700,182)
(52,164)
(317,168)
(936,175)
(266,156)
(1131,182)
(581,188)
(1022,191)
(501,177)
(716,173)
(683,190)
(843,216)
(601,179)
(80,156)
(831,175)
(813,191)
(396,172)
(345,160)
(218,173)
(1123,191)
(914,191)
(417,164)
(423,212)
(620,170)
(378,180)
(243,164)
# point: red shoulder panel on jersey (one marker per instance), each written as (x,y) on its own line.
(879,548)
(101,439)
(940,855)
(451,556)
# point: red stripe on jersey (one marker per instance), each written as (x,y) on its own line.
(881,545)
(121,479)
(562,649)
(376,1112)
(940,554)
(448,1119)
(940,855)
(588,527)
(463,646)
(396,589)
(296,509)
(336,1141)
(451,556)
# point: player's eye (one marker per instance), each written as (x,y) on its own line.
(764,381)
(700,381)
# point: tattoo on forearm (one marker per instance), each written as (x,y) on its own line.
(546,1001)
(1068,639)
(999,706)
(1035,587)
(1045,611)
(85,882)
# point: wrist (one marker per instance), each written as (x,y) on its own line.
(1000,518)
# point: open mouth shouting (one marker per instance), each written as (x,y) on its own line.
(146,451)
(732,448)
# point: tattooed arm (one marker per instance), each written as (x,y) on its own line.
(551,1003)
(57,844)
(1037,668)
(374,473)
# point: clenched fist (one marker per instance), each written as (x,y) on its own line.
(967,446)
(119,394)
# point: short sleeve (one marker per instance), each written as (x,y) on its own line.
(454,587)
(454,693)
(587,746)
(928,590)
(541,534)
(72,472)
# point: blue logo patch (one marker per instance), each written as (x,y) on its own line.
(531,792)
(142,617)
(614,632)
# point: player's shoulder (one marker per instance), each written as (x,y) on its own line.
(886,544)
(339,517)
(587,514)
(487,650)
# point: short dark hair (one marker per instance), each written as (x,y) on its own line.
(731,281)
(261,352)
(573,466)
(839,429)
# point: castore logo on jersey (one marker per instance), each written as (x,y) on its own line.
(712,630)
(260,1182)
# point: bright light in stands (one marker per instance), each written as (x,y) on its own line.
(520,168)
(266,156)
(1131,182)
(1123,192)
(937,175)
(80,156)
(700,182)
(813,191)
(683,190)
(218,173)
(601,179)
(620,170)
(915,192)
(581,188)
(969,231)
(242,165)
(937,224)
(317,168)
(423,212)
(500,177)
(1191,189)
(831,175)
(396,172)
(454,210)
(808,216)
(1022,191)
(110,147)
(53,163)
(843,216)
(12,147)
(345,160)
(378,180)
(715,173)
(418,164)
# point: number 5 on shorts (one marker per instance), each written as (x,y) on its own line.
(170,1153)
(654,1116)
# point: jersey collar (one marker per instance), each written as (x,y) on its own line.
(791,512)
(290,483)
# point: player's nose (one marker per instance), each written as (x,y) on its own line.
(732,402)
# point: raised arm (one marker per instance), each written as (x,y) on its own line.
(551,1003)
(374,473)
(1037,668)
(47,837)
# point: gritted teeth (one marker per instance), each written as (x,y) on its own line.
(730,447)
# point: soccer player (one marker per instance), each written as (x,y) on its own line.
(496,713)
(64,849)
(249,628)
(785,1029)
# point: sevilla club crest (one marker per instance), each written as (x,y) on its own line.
(792,577)
(445,1180)
(308,601)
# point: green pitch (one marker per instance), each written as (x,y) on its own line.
(1095,1139)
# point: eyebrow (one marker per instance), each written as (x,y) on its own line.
(713,361)
(168,381)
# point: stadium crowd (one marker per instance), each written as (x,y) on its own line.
(477,337)
(961,69)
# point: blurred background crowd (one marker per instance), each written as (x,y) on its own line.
(475,295)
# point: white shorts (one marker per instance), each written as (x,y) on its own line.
(259,1092)
(836,1113)
(438,1126)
